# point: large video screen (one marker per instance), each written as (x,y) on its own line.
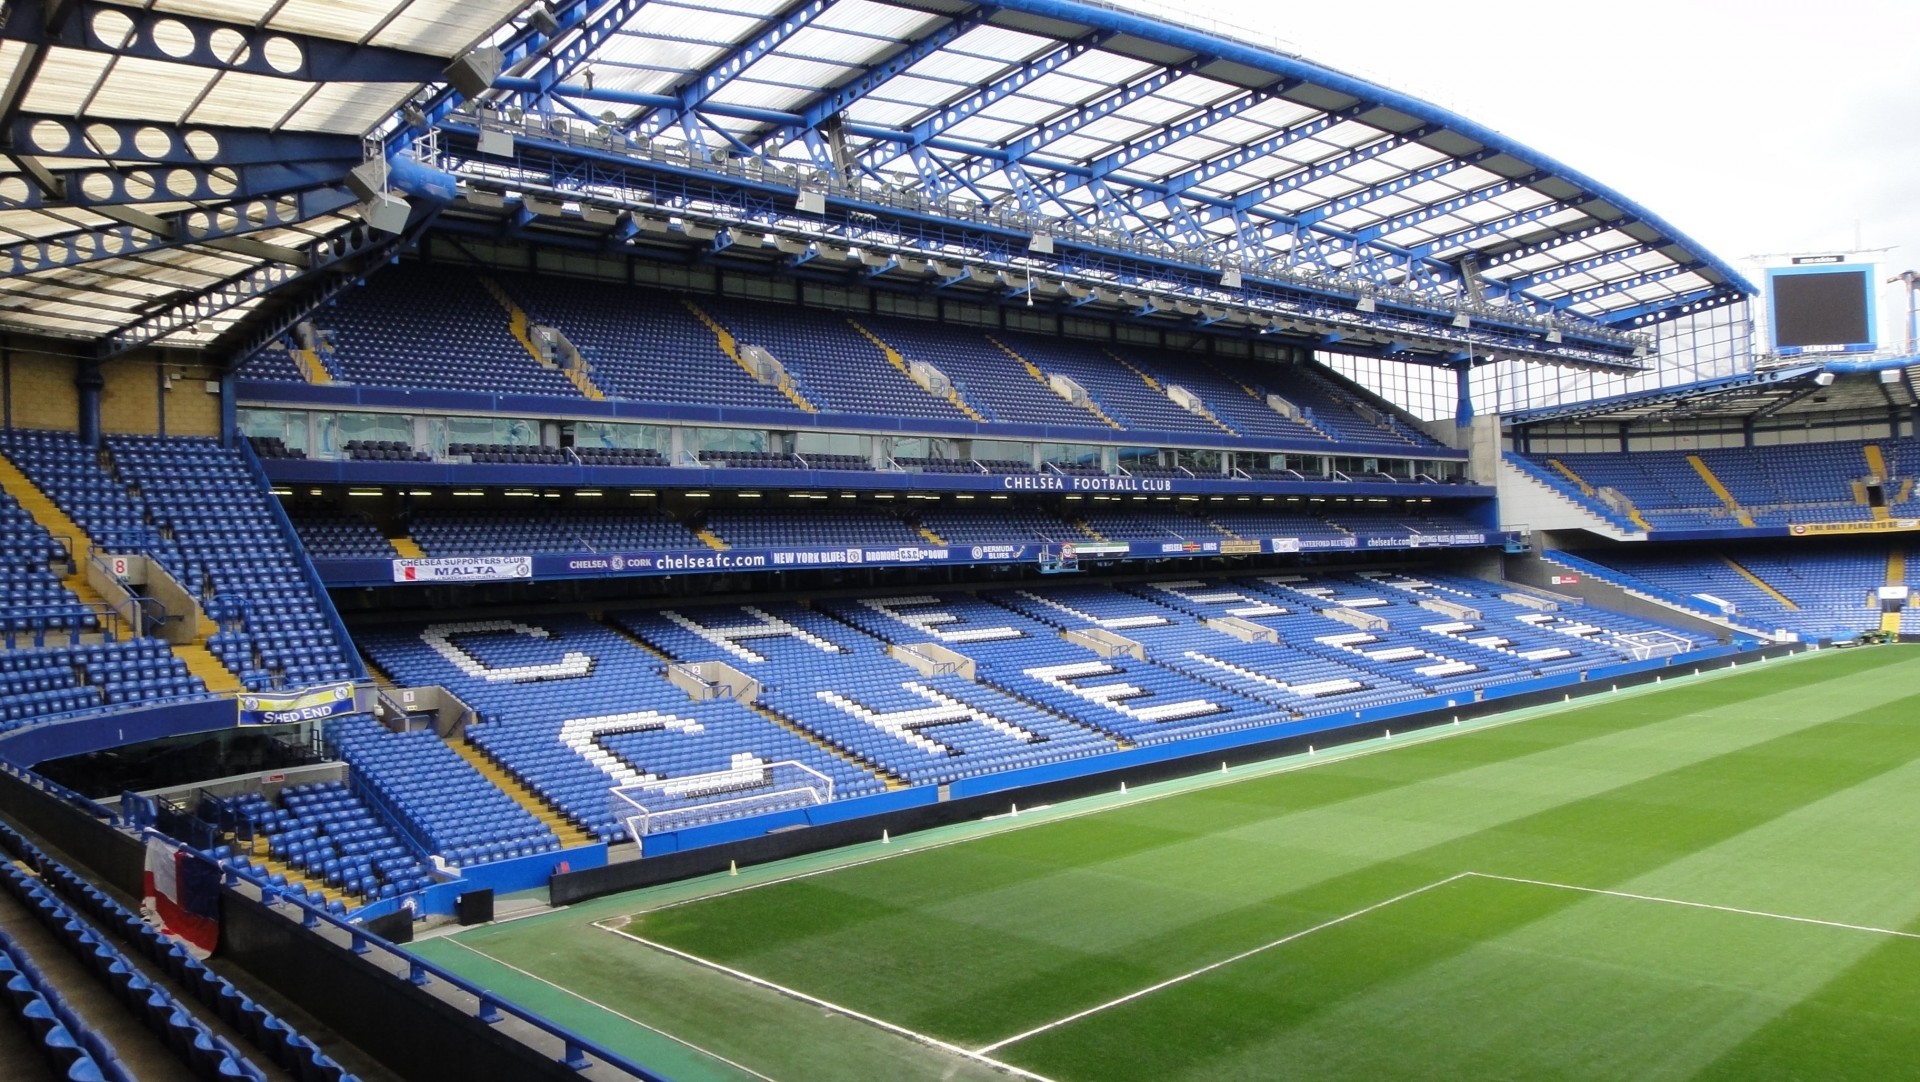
(1822,309)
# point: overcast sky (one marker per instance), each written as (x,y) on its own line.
(1756,127)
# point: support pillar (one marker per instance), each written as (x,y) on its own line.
(90,384)
(229,420)
(1463,384)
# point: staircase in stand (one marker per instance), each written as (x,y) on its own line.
(1041,377)
(521,327)
(1720,490)
(570,833)
(1158,388)
(724,338)
(194,655)
(898,360)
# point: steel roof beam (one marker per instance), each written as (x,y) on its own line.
(1431,248)
(705,84)
(1356,200)
(1710,297)
(1568,270)
(96,27)
(1249,198)
(239,289)
(1449,206)
(1632,282)
(835,101)
(139,233)
(527,45)
(177,144)
(1022,75)
(1553,243)
(126,187)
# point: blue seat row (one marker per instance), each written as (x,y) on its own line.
(264,1030)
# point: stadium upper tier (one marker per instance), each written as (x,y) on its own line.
(1737,488)
(445,328)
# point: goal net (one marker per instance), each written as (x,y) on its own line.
(750,786)
(1643,645)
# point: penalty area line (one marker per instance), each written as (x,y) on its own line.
(979,1057)
(1222,963)
(1630,896)
(624,1017)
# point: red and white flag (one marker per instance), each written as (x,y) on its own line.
(183,895)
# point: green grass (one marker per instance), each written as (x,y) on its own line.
(1788,789)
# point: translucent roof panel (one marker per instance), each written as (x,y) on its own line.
(116,233)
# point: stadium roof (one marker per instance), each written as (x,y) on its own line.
(1188,171)
(165,165)
(1838,386)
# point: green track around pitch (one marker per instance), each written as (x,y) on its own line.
(1437,904)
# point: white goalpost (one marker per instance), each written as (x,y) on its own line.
(1644,645)
(749,787)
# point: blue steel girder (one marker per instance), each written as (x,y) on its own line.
(1448,206)
(1022,75)
(1561,241)
(1260,193)
(707,83)
(832,103)
(1136,149)
(211,43)
(1717,296)
(1550,275)
(124,141)
(1495,227)
(1618,285)
(1358,199)
(174,230)
(238,289)
(122,187)
(1026,146)
(521,46)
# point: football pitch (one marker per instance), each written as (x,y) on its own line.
(1715,878)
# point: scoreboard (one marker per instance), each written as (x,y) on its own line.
(1820,304)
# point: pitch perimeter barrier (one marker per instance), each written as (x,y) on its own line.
(763,839)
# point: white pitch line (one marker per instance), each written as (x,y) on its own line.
(1180,787)
(1210,967)
(935,1042)
(617,1014)
(1843,925)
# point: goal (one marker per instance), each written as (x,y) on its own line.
(750,786)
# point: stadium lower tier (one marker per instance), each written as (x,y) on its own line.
(1809,589)
(703,712)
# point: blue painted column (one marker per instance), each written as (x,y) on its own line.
(1463,382)
(229,424)
(90,383)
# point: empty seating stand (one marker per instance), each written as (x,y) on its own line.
(88,917)
(511,454)
(384,451)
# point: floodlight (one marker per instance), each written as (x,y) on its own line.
(1824,379)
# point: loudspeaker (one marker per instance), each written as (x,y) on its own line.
(368,179)
(386,212)
(474,907)
(474,73)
